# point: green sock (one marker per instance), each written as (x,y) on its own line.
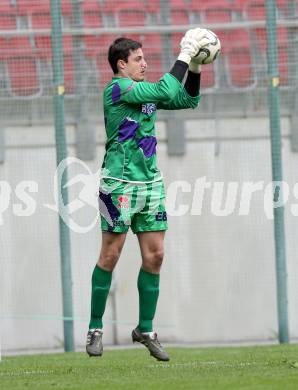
(148,286)
(101,282)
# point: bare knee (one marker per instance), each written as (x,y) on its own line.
(152,261)
(108,259)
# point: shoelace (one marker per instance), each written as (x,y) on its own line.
(155,339)
(88,339)
(157,342)
(91,336)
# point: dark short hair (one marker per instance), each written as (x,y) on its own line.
(120,50)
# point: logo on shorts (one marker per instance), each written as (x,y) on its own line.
(118,223)
(161,216)
(148,108)
(123,202)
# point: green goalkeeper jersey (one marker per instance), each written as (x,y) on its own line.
(130,115)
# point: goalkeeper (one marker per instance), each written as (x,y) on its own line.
(130,105)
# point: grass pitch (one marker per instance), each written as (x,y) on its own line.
(256,368)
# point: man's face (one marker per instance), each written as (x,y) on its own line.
(135,67)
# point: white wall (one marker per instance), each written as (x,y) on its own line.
(218,278)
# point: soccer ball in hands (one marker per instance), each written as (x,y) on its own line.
(209,52)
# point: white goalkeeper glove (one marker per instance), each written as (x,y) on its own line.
(189,48)
(198,35)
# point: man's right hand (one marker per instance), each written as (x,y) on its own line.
(190,45)
(199,34)
(189,48)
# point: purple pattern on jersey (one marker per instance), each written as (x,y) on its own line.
(148,145)
(116,93)
(112,209)
(127,129)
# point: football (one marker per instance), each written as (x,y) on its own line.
(208,53)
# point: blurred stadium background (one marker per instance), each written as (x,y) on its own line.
(218,281)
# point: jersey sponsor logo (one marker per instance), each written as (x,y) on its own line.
(123,202)
(161,216)
(148,108)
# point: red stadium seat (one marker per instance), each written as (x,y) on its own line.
(7,16)
(176,39)
(100,54)
(179,17)
(180,12)
(153,11)
(99,44)
(282,46)
(28,6)
(68,64)
(216,11)
(240,68)
(208,77)
(92,14)
(41,19)
(152,5)
(22,48)
(39,15)
(150,42)
(283,66)
(3,47)
(154,69)
(68,74)
(256,9)
(16,46)
(239,60)
(92,18)
(22,67)
(283,55)
(132,13)
(105,72)
(44,46)
(152,45)
(23,76)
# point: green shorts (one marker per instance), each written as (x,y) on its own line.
(139,206)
